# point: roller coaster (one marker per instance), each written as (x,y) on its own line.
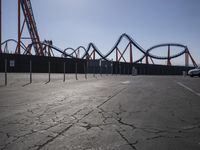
(46,48)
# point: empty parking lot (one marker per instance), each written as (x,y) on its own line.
(108,112)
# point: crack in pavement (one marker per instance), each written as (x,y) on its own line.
(163,136)
(53,138)
(17,138)
(88,125)
(126,124)
(158,132)
(78,120)
(110,97)
(127,141)
(103,115)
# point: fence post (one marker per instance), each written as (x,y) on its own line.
(5,71)
(93,68)
(64,72)
(49,64)
(30,71)
(111,65)
(76,70)
(85,68)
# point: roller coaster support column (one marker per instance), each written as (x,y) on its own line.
(131,57)
(168,59)
(116,54)
(0,25)
(194,63)
(186,58)
(147,59)
(19,26)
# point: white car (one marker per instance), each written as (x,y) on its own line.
(194,72)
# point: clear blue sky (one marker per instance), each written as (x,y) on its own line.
(70,23)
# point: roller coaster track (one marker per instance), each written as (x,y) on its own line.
(5,50)
(92,49)
(29,20)
(169,45)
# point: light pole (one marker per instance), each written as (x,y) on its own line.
(0,25)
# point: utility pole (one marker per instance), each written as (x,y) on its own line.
(0,26)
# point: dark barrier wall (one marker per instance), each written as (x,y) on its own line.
(126,68)
(40,64)
(21,63)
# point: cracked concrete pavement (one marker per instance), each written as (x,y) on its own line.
(109,112)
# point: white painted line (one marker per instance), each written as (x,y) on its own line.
(189,89)
(126,82)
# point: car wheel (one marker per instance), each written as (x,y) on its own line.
(191,75)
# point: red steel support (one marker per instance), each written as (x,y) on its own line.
(28,14)
(193,61)
(152,60)
(90,56)
(16,50)
(34,35)
(131,56)
(121,56)
(19,27)
(52,53)
(5,48)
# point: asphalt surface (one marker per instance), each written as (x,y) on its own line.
(108,112)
